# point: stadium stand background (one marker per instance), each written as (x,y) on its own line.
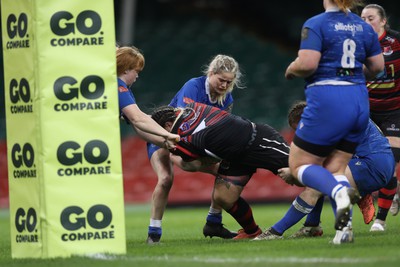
(178,37)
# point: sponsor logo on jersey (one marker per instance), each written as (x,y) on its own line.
(387,50)
(349,27)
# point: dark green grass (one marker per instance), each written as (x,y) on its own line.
(184,245)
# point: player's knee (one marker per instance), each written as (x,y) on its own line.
(165,182)
(221,200)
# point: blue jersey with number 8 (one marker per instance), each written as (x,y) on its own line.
(345,41)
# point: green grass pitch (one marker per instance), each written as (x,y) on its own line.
(184,245)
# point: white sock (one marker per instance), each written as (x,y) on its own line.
(155,223)
(214,211)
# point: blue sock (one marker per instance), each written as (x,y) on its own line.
(314,217)
(214,218)
(296,212)
(319,178)
(155,230)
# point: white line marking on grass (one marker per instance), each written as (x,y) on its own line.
(253,260)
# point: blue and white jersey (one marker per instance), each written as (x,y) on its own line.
(344,40)
(373,142)
(196,90)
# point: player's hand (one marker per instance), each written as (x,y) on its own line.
(286,176)
(289,75)
(171,140)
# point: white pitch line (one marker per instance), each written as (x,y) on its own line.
(238,260)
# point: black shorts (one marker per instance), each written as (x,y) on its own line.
(388,122)
(268,151)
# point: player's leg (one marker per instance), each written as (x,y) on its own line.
(302,206)
(389,123)
(324,143)
(311,226)
(388,198)
(369,174)
(345,234)
(321,179)
(385,199)
(163,169)
(395,207)
(226,193)
(214,226)
(395,144)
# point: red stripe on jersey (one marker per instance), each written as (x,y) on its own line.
(181,150)
(384,93)
(122,89)
(187,100)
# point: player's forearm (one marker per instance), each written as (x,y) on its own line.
(151,138)
(301,68)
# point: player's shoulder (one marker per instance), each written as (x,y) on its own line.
(199,79)
(195,83)
(394,34)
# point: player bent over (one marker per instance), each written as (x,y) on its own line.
(370,169)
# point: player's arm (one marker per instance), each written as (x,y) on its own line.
(304,65)
(149,127)
(151,138)
(373,66)
(204,164)
(286,176)
(308,57)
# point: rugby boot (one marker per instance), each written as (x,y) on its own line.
(243,235)
(217,229)
(308,231)
(366,205)
(343,236)
(378,226)
(267,235)
(394,208)
(153,239)
(345,198)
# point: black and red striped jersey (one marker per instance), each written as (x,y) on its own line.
(209,131)
(384,90)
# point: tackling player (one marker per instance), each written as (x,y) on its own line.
(243,146)
(129,63)
(215,89)
(370,169)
